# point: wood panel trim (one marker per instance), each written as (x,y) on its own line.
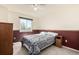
(71,35)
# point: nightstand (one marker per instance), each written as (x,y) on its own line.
(59,41)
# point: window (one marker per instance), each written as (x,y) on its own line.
(25,24)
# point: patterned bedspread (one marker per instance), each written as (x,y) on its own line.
(36,42)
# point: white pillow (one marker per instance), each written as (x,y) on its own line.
(49,33)
(44,33)
(53,33)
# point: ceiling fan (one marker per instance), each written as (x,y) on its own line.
(36,6)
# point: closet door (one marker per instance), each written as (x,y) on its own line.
(6,39)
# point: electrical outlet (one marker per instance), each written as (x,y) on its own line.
(14,38)
(66,41)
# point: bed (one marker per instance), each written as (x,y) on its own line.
(37,42)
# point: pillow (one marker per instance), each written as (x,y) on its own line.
(53,33)
(49,33)
(44,33)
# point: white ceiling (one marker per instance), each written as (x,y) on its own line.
(43,10)
(29,9)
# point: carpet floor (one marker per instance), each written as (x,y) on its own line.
(52,50)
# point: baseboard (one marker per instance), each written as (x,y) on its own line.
(70,48)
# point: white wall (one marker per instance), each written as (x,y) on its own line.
(62,17)
(13,17)
(54,17)
(3,14)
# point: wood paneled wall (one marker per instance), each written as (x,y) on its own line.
(71,36)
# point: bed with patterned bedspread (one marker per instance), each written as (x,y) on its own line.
(36,42)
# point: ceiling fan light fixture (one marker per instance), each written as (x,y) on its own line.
(35,8)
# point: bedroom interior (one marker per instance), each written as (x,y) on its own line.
(49,18)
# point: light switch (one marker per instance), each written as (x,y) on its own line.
(14,38)
(66,41)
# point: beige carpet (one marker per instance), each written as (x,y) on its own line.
(52,50)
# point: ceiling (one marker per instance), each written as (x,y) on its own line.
(43,10)
(29,9)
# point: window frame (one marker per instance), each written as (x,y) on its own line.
(26,29)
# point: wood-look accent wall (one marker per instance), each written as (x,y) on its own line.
(18,35)
(71,36)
